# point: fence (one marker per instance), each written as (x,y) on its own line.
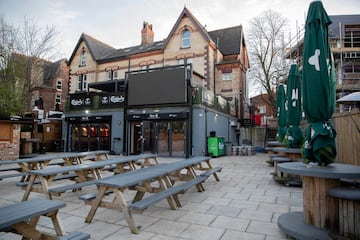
(347,125)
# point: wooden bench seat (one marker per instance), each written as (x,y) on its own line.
(91,196)
(156,197)
(12,175)
(177,189)
(75,236)
(57,178)
(208,173)
(74,186)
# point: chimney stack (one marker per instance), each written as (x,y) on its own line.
(147,34)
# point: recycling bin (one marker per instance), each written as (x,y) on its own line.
(216,146)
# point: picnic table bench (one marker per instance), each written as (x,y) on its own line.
(22,218)
(85,173)
(141,180)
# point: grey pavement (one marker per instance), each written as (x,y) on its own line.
(244,204)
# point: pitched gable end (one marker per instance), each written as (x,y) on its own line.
(97,49)
(187,13)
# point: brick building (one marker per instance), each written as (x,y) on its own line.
(167,119)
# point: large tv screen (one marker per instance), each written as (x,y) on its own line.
(157,87)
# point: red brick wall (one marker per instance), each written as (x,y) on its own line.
(11,150)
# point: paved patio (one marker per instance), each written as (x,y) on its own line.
(245,204)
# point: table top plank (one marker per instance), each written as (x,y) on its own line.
(332,171)
(86,166)
(23,211)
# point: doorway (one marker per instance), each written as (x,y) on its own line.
(89,137)
(166,138)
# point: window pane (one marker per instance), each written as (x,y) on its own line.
(185,39)
(227,76)
(58,85)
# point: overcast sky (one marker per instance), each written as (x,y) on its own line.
(119,22)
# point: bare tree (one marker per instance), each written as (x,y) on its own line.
(22,50)
(266,44)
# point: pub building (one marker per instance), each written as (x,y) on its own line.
(163,97)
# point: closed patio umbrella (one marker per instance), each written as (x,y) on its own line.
(294,137)
(318,86)
(280,113)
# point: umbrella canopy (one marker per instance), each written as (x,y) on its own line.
(318,87)
(350,98)
(294,137)
(280,113)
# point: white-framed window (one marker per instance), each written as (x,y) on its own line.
(111,75)
(82,58)
(185,39)
(227,76)
(82,82)
(58,98)
(59,85)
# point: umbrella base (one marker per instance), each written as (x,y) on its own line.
(292,224)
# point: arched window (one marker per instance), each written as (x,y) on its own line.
(185,39)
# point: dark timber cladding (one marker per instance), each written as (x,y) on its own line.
(157,87)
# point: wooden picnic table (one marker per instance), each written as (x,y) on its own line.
(22,218)
(84,173)
(72,158)
(142,180)
(40,162)
(320,211)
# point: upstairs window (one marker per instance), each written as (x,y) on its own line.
(83,58)
(58,99)
(59,85)
(185,39)
(82,82)
(227,76)
(112,75)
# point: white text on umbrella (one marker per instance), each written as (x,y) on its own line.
(314,60)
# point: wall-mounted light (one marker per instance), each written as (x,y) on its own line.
(86,111)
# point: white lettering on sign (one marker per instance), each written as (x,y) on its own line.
(117,99)
(105,100)
(76,102)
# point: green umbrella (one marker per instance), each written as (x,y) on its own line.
(318,87)
(280,113)
(294,137)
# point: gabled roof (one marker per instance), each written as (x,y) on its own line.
(51,70)
(97,48)
(186,13)
(228,40)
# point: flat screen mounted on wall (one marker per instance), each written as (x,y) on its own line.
(157,87)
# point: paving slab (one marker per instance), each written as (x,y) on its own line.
(244,204)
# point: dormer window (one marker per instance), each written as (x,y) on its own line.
(83,57)
(185,39)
